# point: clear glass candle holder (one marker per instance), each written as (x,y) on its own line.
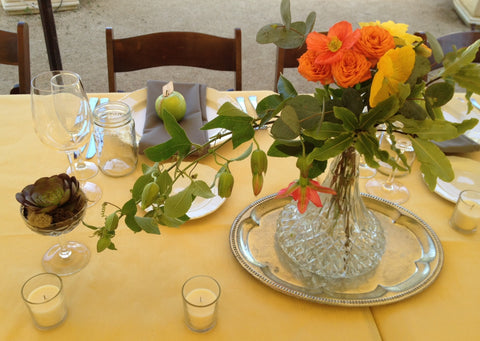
(43,295)
(466,216)
(200,297)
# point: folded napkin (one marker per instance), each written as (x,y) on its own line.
(461,144)
(196,116)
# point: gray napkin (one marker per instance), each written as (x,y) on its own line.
(196,116)
(461,144)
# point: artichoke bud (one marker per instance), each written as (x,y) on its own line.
(258,162)
(257,183)
(149,194)
(225,184)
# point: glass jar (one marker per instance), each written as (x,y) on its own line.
(114,131)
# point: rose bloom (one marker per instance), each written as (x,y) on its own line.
(352,69)
(314,72)
(374,42)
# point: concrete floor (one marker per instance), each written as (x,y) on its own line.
(81,33)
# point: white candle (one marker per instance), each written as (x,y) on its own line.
(47,305)
(200,310)
(467,215)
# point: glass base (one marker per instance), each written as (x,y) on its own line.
(69,260)
(394,192)
(84,170)
(92,191)
(366,172)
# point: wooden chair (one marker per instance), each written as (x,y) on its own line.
(15,50)
(287,58)
(174,48)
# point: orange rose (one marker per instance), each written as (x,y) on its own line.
(352,69)
(314,72)
(374,42)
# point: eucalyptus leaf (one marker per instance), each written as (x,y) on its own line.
(326,131)
(352,100)
(439,94)
(285,148)
(310,22)
(286,88)
(285,13)
(287,127)
(293,37)
(269,33)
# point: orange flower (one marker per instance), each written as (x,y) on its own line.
(304,194)
(314,72)
(374,42)
(352,69)
(330,47)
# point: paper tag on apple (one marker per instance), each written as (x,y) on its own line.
(167,89)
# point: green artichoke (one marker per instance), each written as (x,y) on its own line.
(58,197)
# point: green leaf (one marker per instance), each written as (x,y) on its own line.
(308,109)
(437,50)
(331,148)
(172,222)
(103,243)
(201,189)
(129,208)
(413,110)
(147,224)
(287,127)
(310,22)
(434,163)
(464,56)
(269,33)
(286,88)
(349,119)
(368,145)
(439,94)
(164,182)
(235,120)
(285,148)
(468,77)
(437,130)
(111,222)
(352,100)
(465,125)
(268,107)
(380,113)
(178,204)
(141,182)
(326,130)
(293,37)
(285,13)
(132,223)
(179,143)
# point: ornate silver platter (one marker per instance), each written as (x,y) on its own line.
(412,260)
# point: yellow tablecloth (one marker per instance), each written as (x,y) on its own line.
(134,293)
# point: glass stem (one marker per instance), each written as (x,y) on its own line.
(65,252)
(71,161)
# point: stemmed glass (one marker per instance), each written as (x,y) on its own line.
(67,88)
(62,120)
(389,188)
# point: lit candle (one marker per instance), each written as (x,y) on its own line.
(47,305)
(200,310)
(467,215)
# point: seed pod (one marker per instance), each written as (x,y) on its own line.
(149,194)
(257,183)
(258,162)
(225,184)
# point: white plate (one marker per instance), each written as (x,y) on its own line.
(467,176)
(137,100)
(200,206)
(456,111)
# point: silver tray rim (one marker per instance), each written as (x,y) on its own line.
(337,301)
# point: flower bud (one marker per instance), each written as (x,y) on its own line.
(258,162)
(149,194)
(225,184)
(424,50)
(257,183)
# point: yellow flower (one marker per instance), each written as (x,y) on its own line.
(398,31)
(394,68)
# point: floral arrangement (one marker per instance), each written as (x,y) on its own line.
(371,78)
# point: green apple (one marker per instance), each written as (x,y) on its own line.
(174,103)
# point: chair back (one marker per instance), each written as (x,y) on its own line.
(15,50)
(174,48)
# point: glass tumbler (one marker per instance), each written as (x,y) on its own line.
(114,131)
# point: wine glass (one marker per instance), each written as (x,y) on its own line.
(390,188)
(62,120)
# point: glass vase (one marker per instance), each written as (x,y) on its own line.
(342,239)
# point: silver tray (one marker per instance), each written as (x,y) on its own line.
(412,260)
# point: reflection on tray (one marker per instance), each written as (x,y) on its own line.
(412,260)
